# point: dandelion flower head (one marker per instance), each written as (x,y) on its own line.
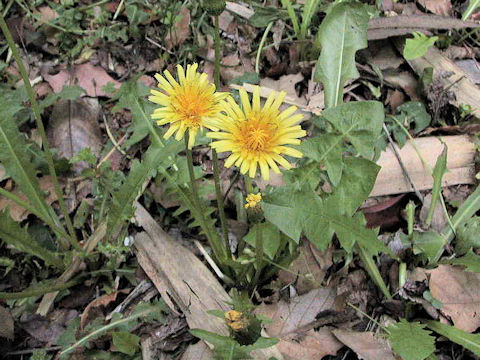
(190,103)
(257,136)
(252,200)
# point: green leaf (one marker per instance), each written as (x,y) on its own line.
(326,149)
(438,172)
(285,218)
(467,235)
(470,260)
(265,15)
(227,348)
(358,121)
(428,243)
(468,341)
(131,95)
(410,340)
(270,236)
(12,234)
(125,342)
(472,6)
(16,161)
(414,112)
(67,93)
(418,46)
(342,33)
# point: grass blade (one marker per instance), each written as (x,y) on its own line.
(438,172)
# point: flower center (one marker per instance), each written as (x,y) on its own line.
(192,105)
(256,133)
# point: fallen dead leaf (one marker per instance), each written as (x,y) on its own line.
(300,312)
(366,345)
(458,291)
(73,127)
(406,81)
(198,351)
(17,212)
(471,68)
(90,78)
(312,345)
(439,220)
(293,322)
(6,324)
(103,300)
(438,7)
(180,31)
(285,83)
(48,329)
(308,270)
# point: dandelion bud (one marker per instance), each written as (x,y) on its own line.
(214,7)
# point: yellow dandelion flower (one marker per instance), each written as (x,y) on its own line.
(257,136)
(190,103)
(236,320)
(252,200)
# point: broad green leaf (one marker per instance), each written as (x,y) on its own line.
(472,6)
(418,45)
(125,342)
(414,112)
(468,235)
(285,218)
(342,33)
(265,15)
(13,234)
(438,172)
(470,260)
(428,243)
(326,149)
(16,161)
(357,182)
(468,341)
(270,238)
(358,121)
(410,340)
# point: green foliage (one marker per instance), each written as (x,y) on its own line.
(16,161)
(125,342)
(342,33)
(472,6)
(227,348)
(467,235)
(410,340)
(438,172)
(418,45)
(468,341)
(428,243)
(144,312)
(270,235)
(412,112)
(470,260)
(12,234)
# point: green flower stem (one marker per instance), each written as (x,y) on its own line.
(216,171)
(260,47)
(19,201)
(36,110)
(40,290)
(258,254)
(215,242)
(248,184)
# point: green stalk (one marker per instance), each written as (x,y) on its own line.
(218,249)
(40,290)
(372,270)
(248,184)
(258,254)
(36,110)
(216,171)
(260,47)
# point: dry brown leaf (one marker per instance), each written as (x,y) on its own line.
(285,83)
(471,68)
(6,324)
(90,78)
(198,351)
(181,29)
(293,323)
(103,300)
(439,221)
(312,345)
(308,270)
(17,212)
(48,329)
(73,127)
(406,81)
(301,311)
(366,345)
(459,293)
(438,7)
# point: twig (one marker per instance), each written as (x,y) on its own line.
(212,263)
(112,139)
(30,351)
(153,42)
(399,158)
(118,9)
